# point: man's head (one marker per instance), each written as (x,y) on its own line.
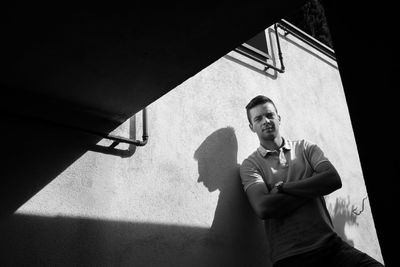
(263,118)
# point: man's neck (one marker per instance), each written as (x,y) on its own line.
(272,144)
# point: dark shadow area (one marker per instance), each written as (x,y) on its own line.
(371,80)
(53,112)
(119,59)
(64,241)
(342,215)
(235,226)
(34,153)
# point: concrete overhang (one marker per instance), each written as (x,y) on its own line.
(72,64)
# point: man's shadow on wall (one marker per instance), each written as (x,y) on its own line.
(236,237)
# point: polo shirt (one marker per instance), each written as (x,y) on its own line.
(308,227)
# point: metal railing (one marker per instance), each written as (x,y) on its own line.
(289,28)
(293,30)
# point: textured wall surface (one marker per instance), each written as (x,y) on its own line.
(178,200)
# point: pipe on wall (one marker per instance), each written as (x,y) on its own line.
(120,139)
(115,138)
(267,65)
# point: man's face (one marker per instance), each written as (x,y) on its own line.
(265,121)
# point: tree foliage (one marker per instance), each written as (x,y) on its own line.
(311,19)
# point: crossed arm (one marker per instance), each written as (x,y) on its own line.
(272,204)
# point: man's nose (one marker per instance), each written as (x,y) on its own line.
(265,120)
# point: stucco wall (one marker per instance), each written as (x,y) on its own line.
(178,200)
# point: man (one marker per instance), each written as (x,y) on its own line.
(285,182)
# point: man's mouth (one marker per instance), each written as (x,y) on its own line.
(268,129)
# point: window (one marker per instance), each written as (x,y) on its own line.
(255,48)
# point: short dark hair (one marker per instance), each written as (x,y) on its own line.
(260,99)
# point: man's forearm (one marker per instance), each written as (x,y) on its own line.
(280,204)
(319,184)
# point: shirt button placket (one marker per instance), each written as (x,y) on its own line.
(282,159)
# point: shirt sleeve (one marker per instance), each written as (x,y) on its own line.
(314,154)
(249,174)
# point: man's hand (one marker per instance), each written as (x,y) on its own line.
(274,190)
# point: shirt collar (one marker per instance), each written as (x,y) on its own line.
(264,152)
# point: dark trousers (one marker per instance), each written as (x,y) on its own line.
(336,254)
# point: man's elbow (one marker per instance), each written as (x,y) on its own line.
(339,183)
(260,212)
(336,180)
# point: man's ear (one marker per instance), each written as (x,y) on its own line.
(279,118)
(251,127)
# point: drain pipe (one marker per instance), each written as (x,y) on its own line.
(279,48)
(267,65)
(120,139)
